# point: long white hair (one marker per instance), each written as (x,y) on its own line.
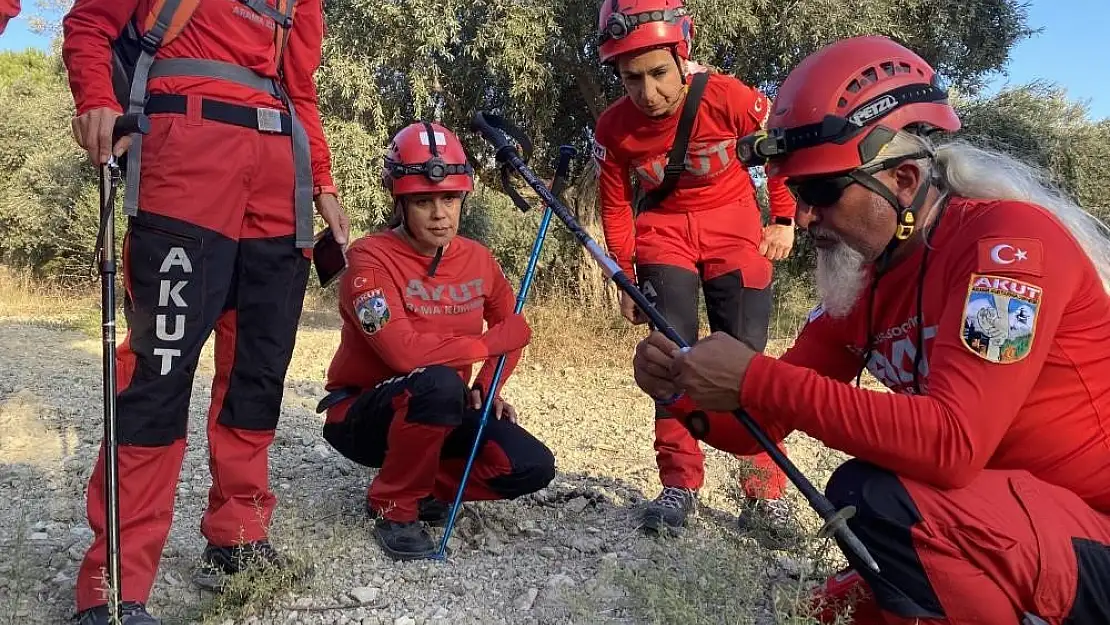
(975,172)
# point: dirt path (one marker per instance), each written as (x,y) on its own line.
(569,554)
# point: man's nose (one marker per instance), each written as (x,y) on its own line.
(805,216)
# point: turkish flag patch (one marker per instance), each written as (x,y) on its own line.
(1011,254)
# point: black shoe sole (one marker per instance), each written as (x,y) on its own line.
(404,556)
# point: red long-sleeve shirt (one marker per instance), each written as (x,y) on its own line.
(430,320)
(984,404)
(220,30)
(626,140)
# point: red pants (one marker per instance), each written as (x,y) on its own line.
(678,254)
(986,554)
(419,430)
(212,248)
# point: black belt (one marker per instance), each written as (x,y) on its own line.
(268,120)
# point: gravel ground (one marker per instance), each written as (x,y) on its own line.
(568,554)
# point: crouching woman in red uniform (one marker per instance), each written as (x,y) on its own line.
(413,302)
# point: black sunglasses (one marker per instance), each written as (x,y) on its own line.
(824,191)
(820,192)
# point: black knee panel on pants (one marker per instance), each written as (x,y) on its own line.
(527,477)
(885,516)
(741,312)
(437,396)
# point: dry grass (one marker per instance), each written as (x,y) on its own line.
(24,300)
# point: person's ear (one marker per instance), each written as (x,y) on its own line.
(907,177)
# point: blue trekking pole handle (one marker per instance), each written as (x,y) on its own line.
(566,153)
(494,129)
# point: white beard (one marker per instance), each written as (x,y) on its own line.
(840,277)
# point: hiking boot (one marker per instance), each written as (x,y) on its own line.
(428,509)
(404,540)
(669,510)
(433,511)
(218,564)
(130,613)
(772,518)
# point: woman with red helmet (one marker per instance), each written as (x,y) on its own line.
(705,234)
(413,302)
(977,295)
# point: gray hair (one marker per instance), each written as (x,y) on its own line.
(975,172)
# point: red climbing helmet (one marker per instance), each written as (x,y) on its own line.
(842,104)
(629,25)
(425,157)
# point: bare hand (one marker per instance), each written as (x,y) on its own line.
(652,366)
(777,241)
(93,132)
(630,311)
(501,408)
(712,371)
(329,208)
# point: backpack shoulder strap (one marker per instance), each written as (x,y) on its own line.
(165,21)
(676,160)
(281,32)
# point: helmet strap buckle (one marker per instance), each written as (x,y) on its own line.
(906,224)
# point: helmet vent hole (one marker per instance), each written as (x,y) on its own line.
(853,87)
(903,68)
(871,75)
(842,103)
(888,68)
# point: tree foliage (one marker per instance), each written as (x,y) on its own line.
(1039,124)
(387,64)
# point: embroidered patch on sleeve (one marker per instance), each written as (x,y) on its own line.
(1000,318)
(372,310)
(1011,254)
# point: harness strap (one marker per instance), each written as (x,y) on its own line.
(302,157)
(213,69)
(149,44)
(676,160)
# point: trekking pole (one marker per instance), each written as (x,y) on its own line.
(494,129)
(106,257)
(566,153)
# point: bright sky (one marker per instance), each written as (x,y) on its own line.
(1073,51)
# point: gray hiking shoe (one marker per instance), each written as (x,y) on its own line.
(669,510)
(220,564)
(773,519)
(131,613)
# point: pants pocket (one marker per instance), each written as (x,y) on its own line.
(164,306)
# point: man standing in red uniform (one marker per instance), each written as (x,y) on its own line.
(980,298)
(413,302)
(216,241)
(707,233)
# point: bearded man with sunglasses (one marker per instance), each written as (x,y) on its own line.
(979,296)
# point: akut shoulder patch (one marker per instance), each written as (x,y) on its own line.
(1000,317)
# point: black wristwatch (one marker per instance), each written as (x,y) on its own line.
(783,221)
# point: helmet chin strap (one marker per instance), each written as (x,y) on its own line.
(907,223)
(408,231)
(907,215)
